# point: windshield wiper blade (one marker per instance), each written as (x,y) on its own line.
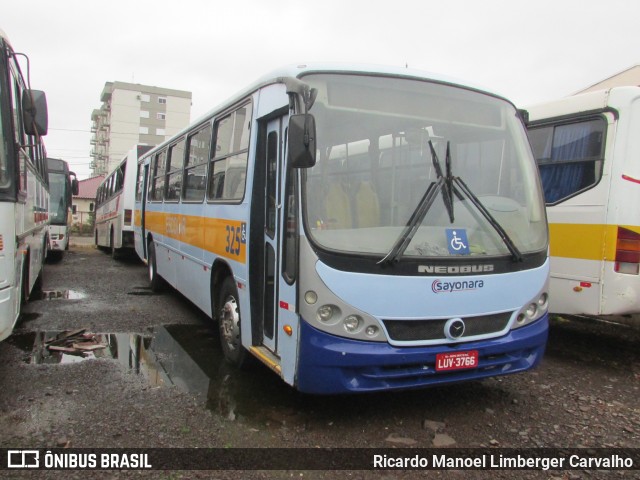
(447,191)
(515,253)
(414,222)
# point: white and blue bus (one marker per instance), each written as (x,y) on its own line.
(24,187)
(63,184)
(356,229)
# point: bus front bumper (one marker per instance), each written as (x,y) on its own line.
(329,364)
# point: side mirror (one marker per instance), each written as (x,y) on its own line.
(75,187)
(524,116)
(34,112)
(302,141)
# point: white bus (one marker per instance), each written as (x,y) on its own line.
(24,189)
(588,152)
(63,184)
(114,205)
(355,229)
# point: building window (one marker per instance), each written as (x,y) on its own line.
(162,100)
(144,97)
(160,131)
(74,209)
(144,114)
(161,116)
(91,206)
(144,130)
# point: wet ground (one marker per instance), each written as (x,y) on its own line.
(158,380)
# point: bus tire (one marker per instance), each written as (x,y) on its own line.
(114,251)
(228,316)
(155,280)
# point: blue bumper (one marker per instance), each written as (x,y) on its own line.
(328,364)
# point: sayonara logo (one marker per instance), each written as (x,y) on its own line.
(439,286)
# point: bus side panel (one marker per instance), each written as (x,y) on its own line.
(578,234)
(621,292)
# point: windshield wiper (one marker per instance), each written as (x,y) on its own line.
(448,185)
(515,253)
(414,222)
(441,185)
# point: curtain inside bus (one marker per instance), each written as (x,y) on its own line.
(569,162)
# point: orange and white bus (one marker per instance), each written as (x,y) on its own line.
(588,151)
(24,187)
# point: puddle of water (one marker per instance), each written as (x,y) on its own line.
(61,295)
(188,357)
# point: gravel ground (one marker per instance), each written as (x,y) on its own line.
(162,384)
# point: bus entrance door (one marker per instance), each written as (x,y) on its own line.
(279,296)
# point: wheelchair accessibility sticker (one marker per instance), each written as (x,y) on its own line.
(457,241)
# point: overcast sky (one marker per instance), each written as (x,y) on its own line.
(528,51)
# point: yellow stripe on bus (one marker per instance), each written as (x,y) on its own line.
(219,236)
(585,241)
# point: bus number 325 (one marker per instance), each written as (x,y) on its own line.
(236,236)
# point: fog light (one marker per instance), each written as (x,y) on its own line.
(352,323)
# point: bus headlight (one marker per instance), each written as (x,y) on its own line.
(534,310)
(543,301)
(531,311)
(328,313)
(352,323)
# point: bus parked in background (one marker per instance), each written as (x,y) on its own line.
(63,184)
(588,152)
(114,205)
(24,189)
(355,229)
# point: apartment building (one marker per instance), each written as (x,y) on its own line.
(134,114)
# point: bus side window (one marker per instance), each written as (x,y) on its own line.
(228,165)
(175,161)
(195,171)
(158,173)
(569,156)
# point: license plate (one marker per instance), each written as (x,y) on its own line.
(456,360)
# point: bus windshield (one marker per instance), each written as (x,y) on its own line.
(58,198)
(451,163)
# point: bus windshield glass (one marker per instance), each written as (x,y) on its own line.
(409,168)
(58,198)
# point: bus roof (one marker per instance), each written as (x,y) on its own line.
(595,101)
(298,70)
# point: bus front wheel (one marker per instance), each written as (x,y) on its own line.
(155,280)
(228,316)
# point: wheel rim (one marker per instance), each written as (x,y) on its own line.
(230,323)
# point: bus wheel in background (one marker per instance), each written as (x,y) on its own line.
(114,251)
(228,316)
(155,280)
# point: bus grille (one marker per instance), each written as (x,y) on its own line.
(433,329)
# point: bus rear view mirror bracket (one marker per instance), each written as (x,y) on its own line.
(34,112)
(302,141)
